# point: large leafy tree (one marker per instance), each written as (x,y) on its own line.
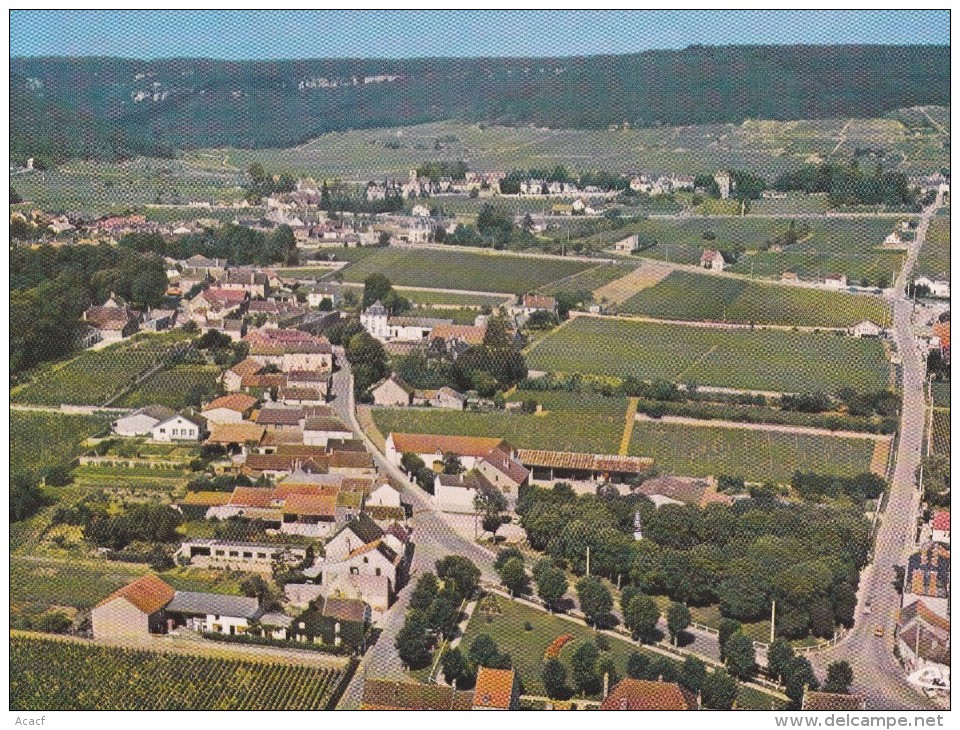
(595,600)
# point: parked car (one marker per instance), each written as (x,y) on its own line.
(878,631)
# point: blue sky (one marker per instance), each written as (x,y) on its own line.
(405,34)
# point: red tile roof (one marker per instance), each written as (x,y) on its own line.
(494,688)
(240,402)
(311,505)
(468,333)
(149,594)
(251,497)
(419,443)
(640,694)
(941,521)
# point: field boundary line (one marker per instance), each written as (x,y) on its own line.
(631,418)
(753,426)
(698,361)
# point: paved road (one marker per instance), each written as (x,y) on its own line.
(433,539)
(876,673)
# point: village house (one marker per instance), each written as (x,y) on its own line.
(941,330)
(724,183)
(628,244)
(866,328)
(318,293)
(496,689)
(392,391)
(390,694)
(233,377)
(456,492)
(311,515)
(133,612)
(546,467)
(290,349)
(667,489)
(255,283)
(300,396)
(938,288)
(535,303)
(156,320)
(318,430)
(712,260)
(923,638)
(178,428)
(113,320)
(215,613)
(141,421)
(213,305)
(927,579)
(835,281)
(280,418)
(236,438)
(231,408)
(641,694)
(940,527)
(432,447)
(444,397)
(232,555)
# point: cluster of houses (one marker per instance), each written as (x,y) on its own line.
(923,625)
(660,185)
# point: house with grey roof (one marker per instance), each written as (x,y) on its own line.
(212,612)
(142,421)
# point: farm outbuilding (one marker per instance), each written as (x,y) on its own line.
(133,612)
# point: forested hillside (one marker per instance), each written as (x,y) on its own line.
(106,107)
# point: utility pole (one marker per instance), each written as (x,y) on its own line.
(773,620)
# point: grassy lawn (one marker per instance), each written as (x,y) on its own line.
(94,376)
(593,431)
(449,299)
(747,359)
(941,394)
(754,455)
(688,296)
(173,387)
(934,257)
(40,440)
(506,625)
(941,432)
(459,269)
(459,316)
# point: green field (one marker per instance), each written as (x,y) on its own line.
(700,451)
(459,316)
(105,187)
(76,583)
(449,299)
(457,269)
(596,431)
(41,440)
(51,674)
(507,625)
(934,257)
(94,376)
(941,432)
(589,280)
(174,387)
(765,147)
(941,394)
(701,297)
(842,245)
(767,360)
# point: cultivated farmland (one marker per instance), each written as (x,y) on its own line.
(590,280)
(66,675)
(941,432)
(746,359)
(934,257)
(94,376)
(41,440)
(762,456)
(594,431)
(174,388)
(850,246)
(468,270)
(688,296)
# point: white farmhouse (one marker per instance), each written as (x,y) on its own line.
(176,428)
(142,421)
